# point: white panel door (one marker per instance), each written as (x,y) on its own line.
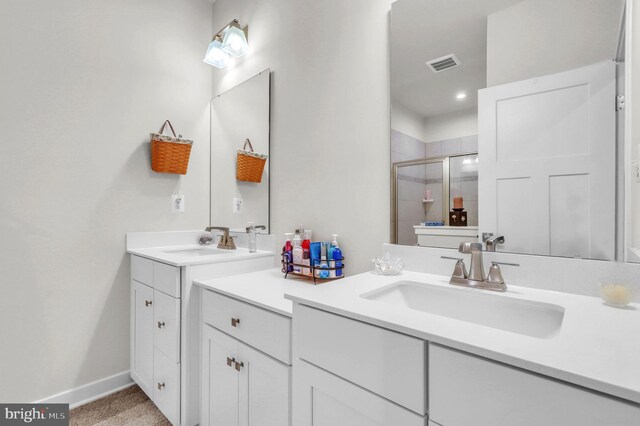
(547,169)
(264,389)
(219,379)
(142,336)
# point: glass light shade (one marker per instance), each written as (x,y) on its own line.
(215,55)
(235,42)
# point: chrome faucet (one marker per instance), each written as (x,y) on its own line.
(475,278)
(226,242)
(257,227)
(493,241)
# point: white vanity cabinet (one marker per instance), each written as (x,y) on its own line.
(497,394)
(155,333)
(245,364)
(348,372)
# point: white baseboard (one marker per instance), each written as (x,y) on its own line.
(91,391)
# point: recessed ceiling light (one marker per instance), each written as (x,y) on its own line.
(461,95)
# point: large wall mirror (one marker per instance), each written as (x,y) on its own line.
(238,115)
(504,122)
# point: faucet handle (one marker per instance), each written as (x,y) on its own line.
(460,270)
(495,274)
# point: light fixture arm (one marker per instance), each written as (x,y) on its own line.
(234,23)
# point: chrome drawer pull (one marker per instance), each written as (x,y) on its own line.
(235,322)
(160,385)
(238,365)
(148,302)
(160,324)
(230,361)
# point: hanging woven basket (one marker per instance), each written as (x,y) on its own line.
(170,154)
(249,164)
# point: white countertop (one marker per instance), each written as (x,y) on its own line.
(172,256)
(265,289)
(597,347)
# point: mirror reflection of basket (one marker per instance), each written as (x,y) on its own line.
(250,164)
(170,154)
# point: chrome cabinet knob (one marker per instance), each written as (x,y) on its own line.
(160,385)
(235,322)
(160,324)
(148,302)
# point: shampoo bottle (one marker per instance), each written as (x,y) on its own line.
(287,253)
(336,255)
(297,254)
(323,272)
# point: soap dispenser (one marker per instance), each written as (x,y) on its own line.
(336,256)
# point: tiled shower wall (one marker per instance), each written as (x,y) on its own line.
(413,182)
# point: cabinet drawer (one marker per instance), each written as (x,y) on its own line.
(264,330)
(465,389)
(323,399)
(166,325)
(390,364)
(142,270)
(166,278)
(166,386)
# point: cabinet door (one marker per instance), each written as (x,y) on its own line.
(468,390)
(142,336)
(166,386)
(264,389)
(166,324)
(219,399)
(323,399)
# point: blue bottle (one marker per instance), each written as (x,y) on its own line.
(336,255)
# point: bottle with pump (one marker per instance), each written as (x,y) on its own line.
(297,254)
(306,245)
(336,255)
(251,230)
(287,253)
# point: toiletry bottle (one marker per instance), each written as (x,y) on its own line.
(300,230)
(336,255)
(330,262)
(251,230)
(287,253)
(323,272)
(297,254)
(306,254)
(314,256)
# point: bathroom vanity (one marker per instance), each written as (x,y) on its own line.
(165,311)
(414,350)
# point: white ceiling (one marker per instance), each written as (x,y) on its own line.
(422,30)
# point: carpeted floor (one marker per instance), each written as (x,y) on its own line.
(127,407)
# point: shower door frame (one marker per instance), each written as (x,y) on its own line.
(446,179)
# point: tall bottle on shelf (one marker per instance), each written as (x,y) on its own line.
(297,253)
(336,255)
(287,253)
(306,254)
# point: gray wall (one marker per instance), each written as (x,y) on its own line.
(83,82)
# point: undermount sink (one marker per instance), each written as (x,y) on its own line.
(204,251)
(530,318)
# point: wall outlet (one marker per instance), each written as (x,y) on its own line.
(237,205)
(177,203)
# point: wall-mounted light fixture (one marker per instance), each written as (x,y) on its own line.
(231,40)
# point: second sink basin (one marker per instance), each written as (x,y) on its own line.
(530,318)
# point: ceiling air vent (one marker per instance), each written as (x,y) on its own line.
(444,63)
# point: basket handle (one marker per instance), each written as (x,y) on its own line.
(244,148)
(170,126)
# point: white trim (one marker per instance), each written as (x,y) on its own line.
(628,137)
(91,391)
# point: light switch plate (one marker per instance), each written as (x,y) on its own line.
(177,203)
